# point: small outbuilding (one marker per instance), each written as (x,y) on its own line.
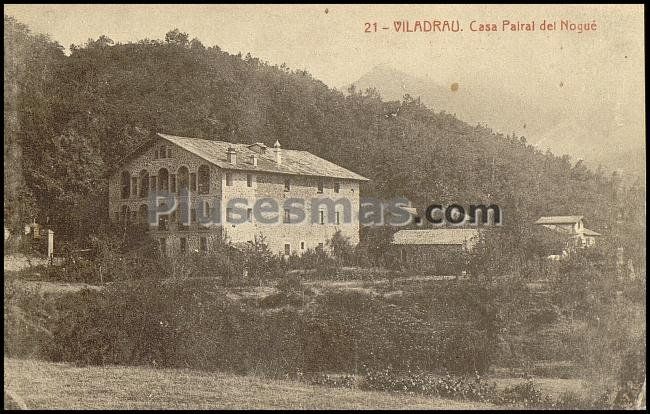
(439,251)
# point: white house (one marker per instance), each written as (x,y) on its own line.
(573,226)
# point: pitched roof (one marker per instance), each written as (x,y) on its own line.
(293,162)
(588,232)
(436,236)
(559,219)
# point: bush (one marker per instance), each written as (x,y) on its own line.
(328,380)
(293,284)
(466,388)
(174,323)
(526,392)
(476,388)
(261,264)
(342,250)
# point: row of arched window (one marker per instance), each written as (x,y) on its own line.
(165,181)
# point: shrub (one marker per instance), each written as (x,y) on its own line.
(526,392)
(291,284)
(339,381)
(260,263)
(342,250)
(194,324)
(473,388)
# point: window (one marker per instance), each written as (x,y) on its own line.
(338,217)
(203,244)
(193,215)
(134,186)
(228,179)
(183,245)
(249,180)
(155,155)
(169,152)
(287,184)
(162,222)
(143,214)
(184,179)
(321,216)
(337,187)
(249,215)
(162,151)
(302,245)
(320,186)
(172,183)
(163,180)
(193,181)
(153,183)
(229,214)
(287,215)
(163,246)
(204,179)
(320,246)
(144,183)
(117,216)
(126,184)
(287,249)
(125,214)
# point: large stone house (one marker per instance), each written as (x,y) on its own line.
(215,173)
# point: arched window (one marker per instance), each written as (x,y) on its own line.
(143,214)
(204,179)
(144,183)
(125,215)
(183,179)
(126,184)
(163,152)
(163,180)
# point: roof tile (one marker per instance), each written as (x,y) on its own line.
(293,162)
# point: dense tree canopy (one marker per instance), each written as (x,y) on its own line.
(71,118)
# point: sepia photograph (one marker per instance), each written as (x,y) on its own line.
(324,206)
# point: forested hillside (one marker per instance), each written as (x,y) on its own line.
(68,119)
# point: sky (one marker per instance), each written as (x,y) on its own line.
(581,74)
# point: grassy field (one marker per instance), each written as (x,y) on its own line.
(40,384)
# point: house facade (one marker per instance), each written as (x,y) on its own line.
(577,235)
(205,177)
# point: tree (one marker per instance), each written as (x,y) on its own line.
(196,44)
(30,63)
(176,37)
(342,250)
(260,261)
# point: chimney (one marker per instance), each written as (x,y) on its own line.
(254,160)
(232,155)
(278,152)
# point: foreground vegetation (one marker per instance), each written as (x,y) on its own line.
(438,338)
(56,386)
